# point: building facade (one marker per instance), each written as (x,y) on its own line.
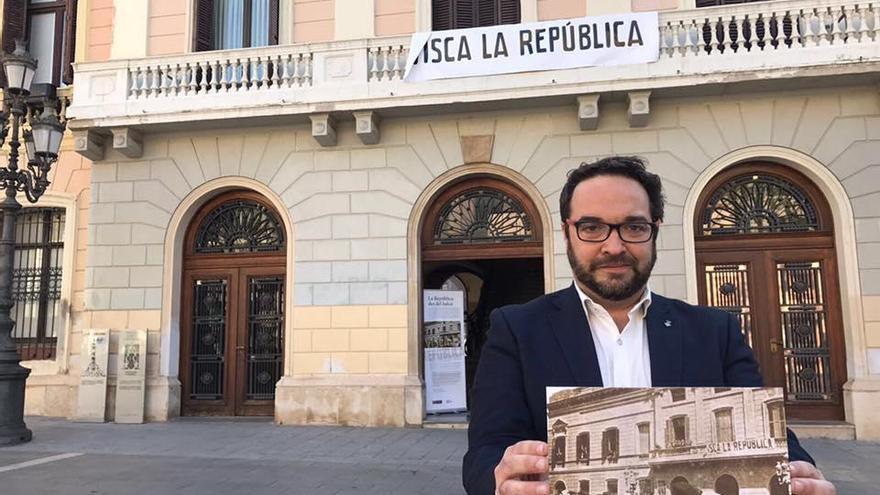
(269,198)
(635,441)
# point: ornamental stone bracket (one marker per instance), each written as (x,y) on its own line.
(639,110)
(367,126)
(89,143)
(588,112)
(323,129)
(128,142)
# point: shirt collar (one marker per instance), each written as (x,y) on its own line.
(641,305)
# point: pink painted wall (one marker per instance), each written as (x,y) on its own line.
(166,33)
(549,10)
(652,5)
(313,20)
(395,17)
(100,32)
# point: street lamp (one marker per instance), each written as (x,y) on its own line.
(42,141)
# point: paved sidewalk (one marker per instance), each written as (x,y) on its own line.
(219,457)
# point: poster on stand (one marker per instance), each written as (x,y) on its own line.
(443,333)
(92,392)
(131,376)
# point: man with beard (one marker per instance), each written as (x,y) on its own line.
(607,329)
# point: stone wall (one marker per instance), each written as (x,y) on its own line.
(350,205)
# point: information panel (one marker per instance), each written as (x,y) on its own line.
(443,333)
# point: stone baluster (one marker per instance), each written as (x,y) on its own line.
(740,44)
(163,80)
(838,25)
(286,63)
(371,63)
(222,75)
(753,31)
(875,22)
(701,39)
(692,36)
(299,70)
(824,27)
(275,64)
(132,82)
(308,73)
(156,80)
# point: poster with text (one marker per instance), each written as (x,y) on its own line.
(443,333)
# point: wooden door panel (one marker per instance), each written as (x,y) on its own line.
(205,367)
(805,305)
(788,307)
(260,338)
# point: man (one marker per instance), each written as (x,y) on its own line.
(607,329)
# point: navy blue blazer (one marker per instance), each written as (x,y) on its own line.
(547,342)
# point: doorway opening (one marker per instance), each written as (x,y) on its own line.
(232,318)
(765,253)
(482,237)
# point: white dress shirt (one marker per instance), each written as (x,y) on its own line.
(624,358)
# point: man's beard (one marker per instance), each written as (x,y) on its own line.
(612,289)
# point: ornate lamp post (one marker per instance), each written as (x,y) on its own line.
(42,142)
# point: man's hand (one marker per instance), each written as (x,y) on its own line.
(807,480)
(525,460)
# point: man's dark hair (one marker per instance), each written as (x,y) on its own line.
(623,166)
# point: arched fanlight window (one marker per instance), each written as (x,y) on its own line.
(239,226)
(482,216)
(759,203)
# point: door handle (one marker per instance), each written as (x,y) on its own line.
(775,345)
(239,348)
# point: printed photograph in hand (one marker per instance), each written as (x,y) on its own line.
(667,441)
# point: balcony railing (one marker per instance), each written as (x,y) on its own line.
(766,41)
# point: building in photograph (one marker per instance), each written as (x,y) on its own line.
(725,441)
(442,334)
(264,194)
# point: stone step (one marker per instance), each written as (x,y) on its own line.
(454,421)
(835,430)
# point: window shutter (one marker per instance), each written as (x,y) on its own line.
(14,22)
(509,12)
(204,32)
(465,14)
(441,15)
(273,22)
(487,13)
(67,58)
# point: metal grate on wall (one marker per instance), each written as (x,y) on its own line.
(36,281)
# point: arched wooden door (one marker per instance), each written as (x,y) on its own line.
(232,318)
(765,252)
(488,233)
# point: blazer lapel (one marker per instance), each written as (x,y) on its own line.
(572,331)
(664,344)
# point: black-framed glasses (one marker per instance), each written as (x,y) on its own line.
(634,232)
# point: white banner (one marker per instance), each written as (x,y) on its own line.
(563,44)
(443,332)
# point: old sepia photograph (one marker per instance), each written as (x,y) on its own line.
(667,441)
(442,334)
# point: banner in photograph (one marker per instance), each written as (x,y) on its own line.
(443,333)
(561,44)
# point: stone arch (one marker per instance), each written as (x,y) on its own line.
(726,485)
(414,256)
(169,354)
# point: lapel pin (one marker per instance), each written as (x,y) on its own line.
(667,323)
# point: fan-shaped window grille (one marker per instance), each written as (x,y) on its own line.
(759,204)
(239,226)
(482,216)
